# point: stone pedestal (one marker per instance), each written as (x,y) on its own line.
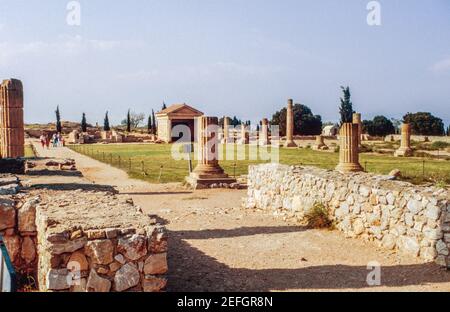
(320,143)
(290,125)
(264,133)
(349,154)
(358,121)
(405,149)
(208,170)
(12,125)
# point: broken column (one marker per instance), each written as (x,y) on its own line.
(290,125)
(320,143)
(208,170)
(349,151)
(264,135)
(244,139)
(226,130)
(12,124)
(357,120)
(405,149)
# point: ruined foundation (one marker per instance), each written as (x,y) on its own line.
(405,149)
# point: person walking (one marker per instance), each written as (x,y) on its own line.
(47,141)
(42,139)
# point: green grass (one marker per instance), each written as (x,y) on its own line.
(152,157)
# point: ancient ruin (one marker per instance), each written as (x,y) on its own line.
(358,121)
(244,136)
(12,123)
(264,133)
(226,130)
(405,149)
(290,125)
(178,114)
(349,151)
(208,171)
(320,143)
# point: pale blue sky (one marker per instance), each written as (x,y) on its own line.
(234,57)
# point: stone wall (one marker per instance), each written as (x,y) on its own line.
(77,241)
(396,215)
(17,226)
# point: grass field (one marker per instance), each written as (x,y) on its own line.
(29,153)
(159,166)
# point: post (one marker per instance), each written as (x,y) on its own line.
(349,153)
(290,125)
(226,130)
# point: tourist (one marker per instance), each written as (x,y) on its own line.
(54,140)
(42,139)
(47,141)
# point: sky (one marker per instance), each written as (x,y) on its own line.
(226,57)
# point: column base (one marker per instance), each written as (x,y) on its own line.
(206,175)
(403,152)
(349,167)
(289,144)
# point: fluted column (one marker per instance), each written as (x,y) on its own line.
(358,120)
(405,149)
(12,123)
(290,125)
(244,136)
(349,151)
(208,170)
(226,130)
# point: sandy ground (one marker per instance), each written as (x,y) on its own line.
(215,245)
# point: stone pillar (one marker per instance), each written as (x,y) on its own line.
(226,130)
(349,152)
(208,170)
(357,120)
(320,143)
(244,139)
(290,125)
(405,149)
(12,124)
(264,135)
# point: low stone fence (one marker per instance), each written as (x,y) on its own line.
(17,226)
(77,241)
(397,215)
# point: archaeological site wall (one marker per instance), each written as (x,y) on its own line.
(77,241)
(396,215)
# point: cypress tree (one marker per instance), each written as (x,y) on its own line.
(129,121)
(346,109)
(106,126)
(58,120)
(154,122)
(83,123)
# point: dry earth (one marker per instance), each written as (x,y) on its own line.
(215,245)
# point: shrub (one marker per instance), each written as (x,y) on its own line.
(438,145)
(318,217)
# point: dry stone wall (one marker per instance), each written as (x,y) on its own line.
(397,215)
(78,241)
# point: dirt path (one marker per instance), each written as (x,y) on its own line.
(215,245)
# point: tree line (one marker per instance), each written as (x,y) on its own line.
(305,122)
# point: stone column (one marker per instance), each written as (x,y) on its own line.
(349,152)
(357,120)
(226,130)
(208,170)
(244,139)
(290,125)
(12,124)
(320,143)
(264,135)
(405,149)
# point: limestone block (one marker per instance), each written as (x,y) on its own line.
(156,264)
(28,250)
(127,277)
(154,284)
(134,247)
(27,216)
(58,279)
(100,251)
(96,283)
(7,214)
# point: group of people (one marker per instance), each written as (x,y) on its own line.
(57,140)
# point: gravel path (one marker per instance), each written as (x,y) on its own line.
(215,245)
